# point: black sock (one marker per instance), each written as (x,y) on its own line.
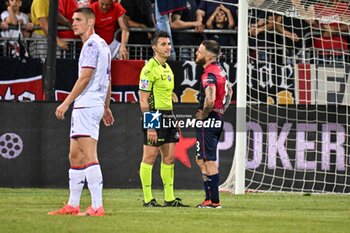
(214,187)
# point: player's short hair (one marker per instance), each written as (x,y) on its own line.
(86,11)
(212,46)
(158,35)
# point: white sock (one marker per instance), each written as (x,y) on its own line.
(95,184)
(76,185)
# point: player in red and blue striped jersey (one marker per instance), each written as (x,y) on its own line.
(215,97)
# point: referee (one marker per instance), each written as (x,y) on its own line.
(156,89)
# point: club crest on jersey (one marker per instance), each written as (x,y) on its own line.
(169,78)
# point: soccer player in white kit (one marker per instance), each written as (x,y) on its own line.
(91,95)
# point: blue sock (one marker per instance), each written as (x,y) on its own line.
(213,182)
(206,187)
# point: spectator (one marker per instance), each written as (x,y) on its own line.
(108,15)
(206,9)
(333,34)
(221,19)
(40,15)
(185,19)
(25,8)
(162,8)
(26,5)
(66,10)
(139,15)
(261,24)
(13,16)
(2,25)
(296,33)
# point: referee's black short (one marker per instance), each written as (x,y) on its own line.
(208,139)
(165,135)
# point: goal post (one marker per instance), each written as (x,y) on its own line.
(293,97)
(241,134)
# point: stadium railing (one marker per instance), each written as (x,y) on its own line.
(37,47)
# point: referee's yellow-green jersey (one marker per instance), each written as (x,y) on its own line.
(159,81)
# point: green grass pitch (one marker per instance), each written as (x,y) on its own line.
(25,210)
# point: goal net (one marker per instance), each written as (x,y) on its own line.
(298,97)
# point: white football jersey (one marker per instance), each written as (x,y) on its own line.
(96,55)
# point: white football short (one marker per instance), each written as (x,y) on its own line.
(85,122)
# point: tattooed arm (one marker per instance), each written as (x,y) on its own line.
(228,96)
(210,95)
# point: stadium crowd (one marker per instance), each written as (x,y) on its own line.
(305,25)
(266,29)
(32,16)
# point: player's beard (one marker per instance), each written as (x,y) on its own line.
(200,62)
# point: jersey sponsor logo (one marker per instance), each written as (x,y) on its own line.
(144,84)
(152,120)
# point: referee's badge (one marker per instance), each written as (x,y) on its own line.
(169,78)
(144,84)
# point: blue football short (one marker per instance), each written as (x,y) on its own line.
(208,138)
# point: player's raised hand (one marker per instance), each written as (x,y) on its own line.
(108,118)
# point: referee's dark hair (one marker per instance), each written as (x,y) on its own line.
(212,46)
(158,35)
